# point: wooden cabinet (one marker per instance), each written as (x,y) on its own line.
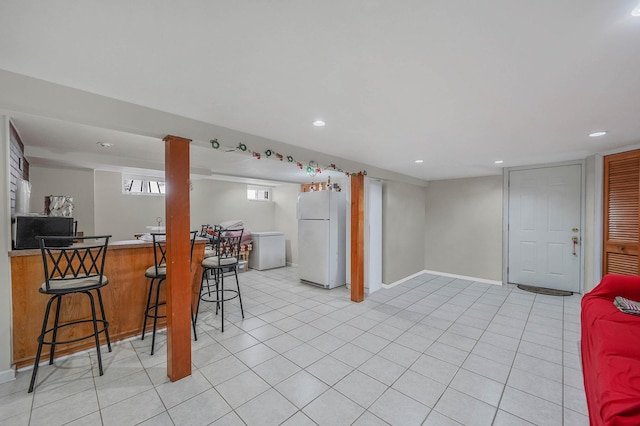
(621,213)
(317,186)
(320,186)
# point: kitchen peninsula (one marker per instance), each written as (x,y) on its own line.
(124,297)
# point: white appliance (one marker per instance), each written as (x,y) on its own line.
(322,238)
(372,235)
(268,250)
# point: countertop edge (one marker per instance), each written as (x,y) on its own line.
(115,245)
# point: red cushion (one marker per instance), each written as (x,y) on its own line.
(610,348)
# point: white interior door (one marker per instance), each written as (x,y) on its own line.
(544,220)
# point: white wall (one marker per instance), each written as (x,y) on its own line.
(285,219)
(101,206)
(6,350)
(75,183)
(215,201)
(403,230)
(121,215)
(463,227)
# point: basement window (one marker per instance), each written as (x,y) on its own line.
(258,193)
(142,186)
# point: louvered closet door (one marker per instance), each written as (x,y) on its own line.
(621,213)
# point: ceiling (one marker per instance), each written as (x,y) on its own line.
(455,84)
(56,143)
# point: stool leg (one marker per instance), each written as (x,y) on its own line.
(235,270)
(104,319)
(217,275)
(96,334)
(222,302)
(40,340)
(193,323)
(206,276)
(204,272)
(155,316)
(55,329)
(146,311)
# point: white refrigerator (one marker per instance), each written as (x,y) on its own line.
(322,238)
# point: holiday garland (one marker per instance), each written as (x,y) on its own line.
(312,169)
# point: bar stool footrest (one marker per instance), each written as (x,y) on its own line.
(204,296)
(105,327)
(152,308)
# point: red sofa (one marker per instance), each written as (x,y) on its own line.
(610,348)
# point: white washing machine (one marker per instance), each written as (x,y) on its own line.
(268,250)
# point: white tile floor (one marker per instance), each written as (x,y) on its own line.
(430,351)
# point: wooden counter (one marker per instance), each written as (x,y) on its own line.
(125,298)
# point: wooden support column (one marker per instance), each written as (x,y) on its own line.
(177,208)
(357,238)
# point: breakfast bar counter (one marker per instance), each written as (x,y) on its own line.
(125,297)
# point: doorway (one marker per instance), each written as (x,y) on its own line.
(544,227)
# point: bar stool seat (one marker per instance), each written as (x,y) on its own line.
(158,274)
(216,261)
(61,287)
(72,269)
(220,260)
(152,272)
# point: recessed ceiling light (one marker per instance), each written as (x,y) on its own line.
(319,123)
(636,11)
(596,134)
(498,162)
(419,161)
(105,144)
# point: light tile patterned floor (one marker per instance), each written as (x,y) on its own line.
(431,351)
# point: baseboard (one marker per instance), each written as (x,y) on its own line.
(443,274)
(8,375)
(290,264)
(103,348)
(366,289)
(395,283)
(465,277)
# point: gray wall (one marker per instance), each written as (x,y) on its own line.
(403,230)
(463,227)
(285,198)
(75,183)
(592,234)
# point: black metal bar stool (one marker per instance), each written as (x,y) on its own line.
(71,269)
(158,274)
(223,260)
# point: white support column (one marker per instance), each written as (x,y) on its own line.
(7,372)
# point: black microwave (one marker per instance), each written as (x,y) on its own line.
(26,228)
